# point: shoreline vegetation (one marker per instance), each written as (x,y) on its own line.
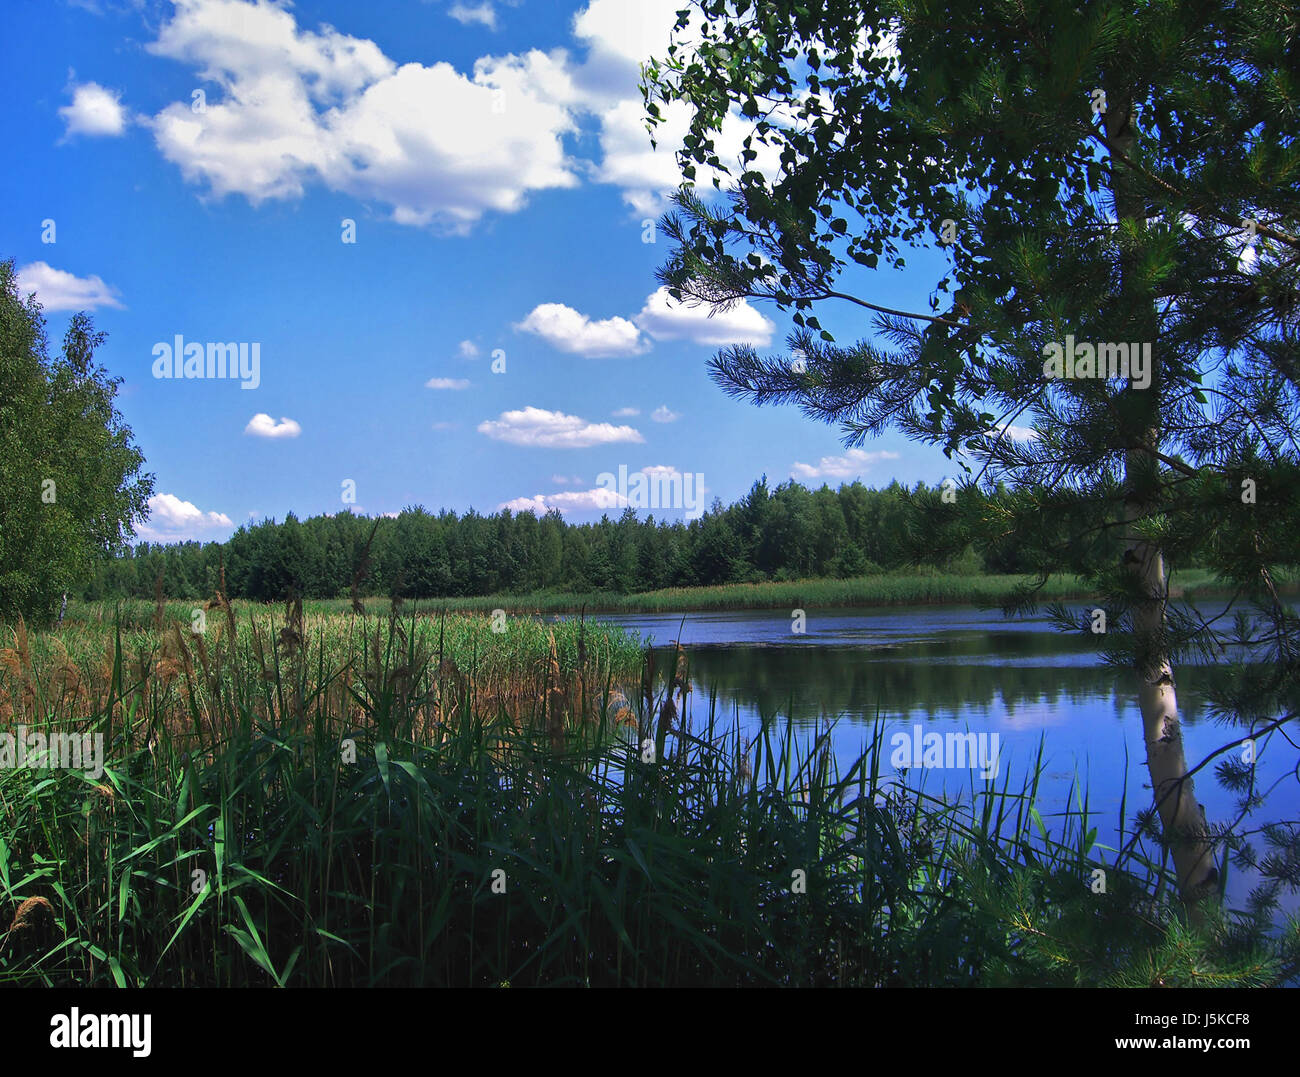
(917,588)
(312,799)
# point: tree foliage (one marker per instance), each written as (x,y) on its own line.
(1108,173)
(71,484)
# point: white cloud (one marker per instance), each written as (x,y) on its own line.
(648,174)
(483,14)
(467,349)
(569,331)
(566,501)
(661,414)
(631,33)
(295,106)
(565,480)
(445,426)
(600,498)
(539,428)
(851,464)
(664,319)
(620,36)
(1015,433)
(262,425)
(447,383)
(60,290)
(625,413)
(171,520)
(95,110)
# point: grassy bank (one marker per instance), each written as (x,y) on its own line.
(362,801)
(918,588)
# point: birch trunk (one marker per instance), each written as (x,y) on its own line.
(1182,819)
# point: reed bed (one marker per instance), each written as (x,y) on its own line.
(410,801)
(918,587)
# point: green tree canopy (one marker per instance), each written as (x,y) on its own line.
(71,485)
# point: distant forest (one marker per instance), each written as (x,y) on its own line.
(784,533)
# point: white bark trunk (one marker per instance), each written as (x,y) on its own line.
(1182,819)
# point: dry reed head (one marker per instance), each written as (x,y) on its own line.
(32,925)
(620,710)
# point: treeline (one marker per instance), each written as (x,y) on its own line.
(784,533)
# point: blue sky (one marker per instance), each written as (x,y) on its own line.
(197,161)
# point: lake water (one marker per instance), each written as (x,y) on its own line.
(959,668)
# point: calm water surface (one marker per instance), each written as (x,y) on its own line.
(958,668)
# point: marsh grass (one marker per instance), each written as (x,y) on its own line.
(917,587)
(361,801)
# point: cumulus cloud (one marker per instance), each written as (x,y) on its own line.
(60,290)
(566,501)
(483,14)
(600,498)
(625,413)
(569,330)
(850,465)
(467,349)
(297,106)
(262,425)
(95,110)
(566,330)
(699,323)
(619,37)
(648,174)
(661,414)
(171,519)
(538,428)
(447,383)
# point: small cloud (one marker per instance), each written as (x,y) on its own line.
(1015,433)
(566,330)
(59,290)
(626,413)
(445,426)
(447,383)
(601,498)
(468,350)
(699,323)
(538,428)
(851,464)
(262,425)
(661,414)
(171,519)
(566,501)
(94,111)
(565,480)
(483,13)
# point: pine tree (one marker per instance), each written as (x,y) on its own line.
(1113,174)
